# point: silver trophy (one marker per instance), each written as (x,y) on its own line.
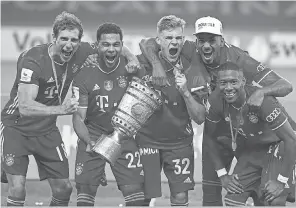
(136,106)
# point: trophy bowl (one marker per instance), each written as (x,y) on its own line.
(136,106)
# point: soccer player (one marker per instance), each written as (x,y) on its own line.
(99,90)
(28,127)
(166,140)
(214,51)
(267,159)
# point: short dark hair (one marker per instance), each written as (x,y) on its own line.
(69,21)
(229,66)
(109,28)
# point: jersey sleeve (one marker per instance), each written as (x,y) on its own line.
(143,72)
(79,88)
(83,52)
(272,113)
(29,70)
(254,71)
(214,107)
(189,49)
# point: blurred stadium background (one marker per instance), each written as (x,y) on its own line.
(266,29)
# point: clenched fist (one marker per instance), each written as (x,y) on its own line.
(181,82)
(132,66)
(69,106)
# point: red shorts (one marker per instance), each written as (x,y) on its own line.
(48,150)
(253,173)
(128,169)
(178,166)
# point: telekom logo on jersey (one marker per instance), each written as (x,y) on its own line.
(102,102)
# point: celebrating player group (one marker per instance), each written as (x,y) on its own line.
(207,81)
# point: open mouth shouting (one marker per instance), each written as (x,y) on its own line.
(208,57)
(66,55)
(173,54)
(110,59)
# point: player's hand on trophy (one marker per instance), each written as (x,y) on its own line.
(90,145)
(133,66)
(273,189)
(181,82)
(256,99)
(91,60)
(70,106)
(231,184)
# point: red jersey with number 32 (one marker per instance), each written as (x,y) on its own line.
(170,127)
(35,67)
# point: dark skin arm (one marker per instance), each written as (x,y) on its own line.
(211,142)
(273,85)
(230,183)
(274,188)
(81,129)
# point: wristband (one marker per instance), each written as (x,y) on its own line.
(282,179)
(221,172)
(187,94)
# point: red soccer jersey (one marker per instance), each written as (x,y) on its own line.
(35,67)
(104,89)
(255,125)
(170,127)
(254,71)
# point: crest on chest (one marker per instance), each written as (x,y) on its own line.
(253,117)
(108,85)
(122,81)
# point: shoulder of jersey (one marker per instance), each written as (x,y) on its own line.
(36,53)
(215,98)
(123,60)
(250,89)
(87,46)
(236,50)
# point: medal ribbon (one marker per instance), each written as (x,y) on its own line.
(56,80)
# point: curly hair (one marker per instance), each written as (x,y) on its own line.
(68,21)
(170,22)
(109,28)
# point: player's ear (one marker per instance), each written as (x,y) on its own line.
(244,80)
(53,38)
(157,40)
(222,42)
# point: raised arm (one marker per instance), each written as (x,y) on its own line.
(195,108)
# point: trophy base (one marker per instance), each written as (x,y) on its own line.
(109,146)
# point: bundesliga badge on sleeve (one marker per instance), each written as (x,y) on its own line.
(135,108)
